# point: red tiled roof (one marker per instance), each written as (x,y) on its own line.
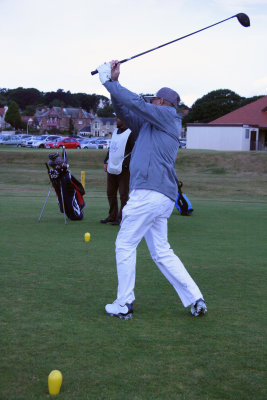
(26,118)
(254,113)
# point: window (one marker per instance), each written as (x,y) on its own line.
(247,134)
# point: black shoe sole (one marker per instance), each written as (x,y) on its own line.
(122,316)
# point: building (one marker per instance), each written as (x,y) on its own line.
(61,117)
(101,126)
(85,131)
(244,129)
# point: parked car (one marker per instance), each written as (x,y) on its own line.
(182,144)
(33,139)
(68,143)
(51,144)
(93,139)
(1,138)
(10,140)
(78,137)
(40,141)
(4,137)
(87,144)
(25,140)
(102,144)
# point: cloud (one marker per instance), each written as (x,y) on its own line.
(241,3)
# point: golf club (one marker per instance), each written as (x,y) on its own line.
(45,203)
(62,199)
(243,19)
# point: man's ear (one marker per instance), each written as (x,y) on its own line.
(161,101)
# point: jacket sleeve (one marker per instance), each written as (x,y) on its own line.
(106,158)
(161,118)
(127,116)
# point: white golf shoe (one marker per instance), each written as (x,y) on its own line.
(116,310)
(199,308)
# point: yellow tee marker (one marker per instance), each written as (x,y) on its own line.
(87,237)
(54,382)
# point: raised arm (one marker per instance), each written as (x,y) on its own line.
(127,116)
(133,105)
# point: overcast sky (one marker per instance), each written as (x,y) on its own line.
(54,44)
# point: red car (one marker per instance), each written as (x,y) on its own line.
(68,143)
(51,144)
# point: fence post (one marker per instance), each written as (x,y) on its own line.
(83,178)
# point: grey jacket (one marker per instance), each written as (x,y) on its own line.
(155,150)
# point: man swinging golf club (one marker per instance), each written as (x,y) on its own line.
(153,191)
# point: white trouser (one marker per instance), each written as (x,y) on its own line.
(145,215)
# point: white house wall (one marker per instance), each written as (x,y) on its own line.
(217,138)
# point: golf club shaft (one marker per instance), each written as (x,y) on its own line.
(62,199)
(45,203)
(166,44)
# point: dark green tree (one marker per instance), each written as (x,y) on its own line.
(182,108)
(84,101)
(24,97)
(29,111)
(33,97)
(213,105)
(106,111)
(13,116)
(71,127)
(3,97)
(92,102)
(56,103)
(248,100)
(216,104)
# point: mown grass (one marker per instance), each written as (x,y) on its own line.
(54,287)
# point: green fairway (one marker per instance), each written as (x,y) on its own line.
(54,287)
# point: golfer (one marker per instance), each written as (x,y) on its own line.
(153,191)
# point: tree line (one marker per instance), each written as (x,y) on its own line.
(209,107)
(215,104)
(30,99)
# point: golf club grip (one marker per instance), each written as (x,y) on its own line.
(121,62)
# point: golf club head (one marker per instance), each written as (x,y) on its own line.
(243,19)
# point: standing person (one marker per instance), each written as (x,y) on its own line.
(153,191)
(116,164)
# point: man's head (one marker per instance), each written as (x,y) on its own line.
(166,97)
(120,124)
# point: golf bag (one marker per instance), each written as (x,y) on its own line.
(182,203)
(68,189)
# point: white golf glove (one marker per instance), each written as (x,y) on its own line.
(104,72)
